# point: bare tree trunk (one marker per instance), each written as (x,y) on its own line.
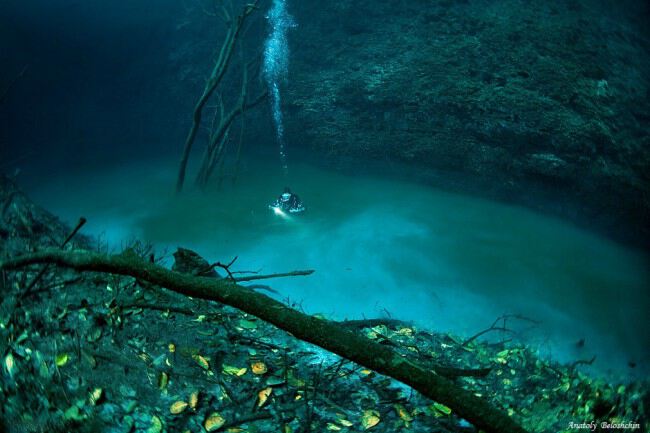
(216,76)
(331,336)
(214,151)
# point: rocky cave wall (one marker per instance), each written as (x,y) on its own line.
(540,103)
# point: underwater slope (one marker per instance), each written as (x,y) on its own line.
(542,103)
(100,353)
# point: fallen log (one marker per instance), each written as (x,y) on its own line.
(329,335)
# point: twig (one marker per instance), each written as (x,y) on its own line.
(280,275)
(502,328)
(583,362)
(57,284)
(163,308)
(226,267)
(371,323)
(45,268)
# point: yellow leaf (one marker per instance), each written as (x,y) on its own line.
(259,368)
(234,371)
(202,361)
(171,347)
(194,399)
(333,427)
(345,422)
(61,359)
(263,396)
(178,407)
(213,422)
(369,419)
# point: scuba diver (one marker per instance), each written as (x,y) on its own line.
(288,202)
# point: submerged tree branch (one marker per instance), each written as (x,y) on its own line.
(329,335)
(219,70)
(266,277)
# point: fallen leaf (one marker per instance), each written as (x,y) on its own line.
(163,380)
(344,422)
(234,371)
(403,413)
(369,419)
(263,396)
(156,425)
(10,364)
(96,396)
(441,408)
(274,381)
(247,324)
(61,359)
(259,368)
(194,399)
(178,407)
(213,422)
(73,413)
(405,331)
(202,361)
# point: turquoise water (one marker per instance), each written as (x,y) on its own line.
(446,261)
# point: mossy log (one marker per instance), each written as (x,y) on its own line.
(329,335)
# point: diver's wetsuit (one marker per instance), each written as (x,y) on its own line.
(289,202)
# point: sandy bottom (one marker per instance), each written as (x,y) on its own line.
(447,262)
